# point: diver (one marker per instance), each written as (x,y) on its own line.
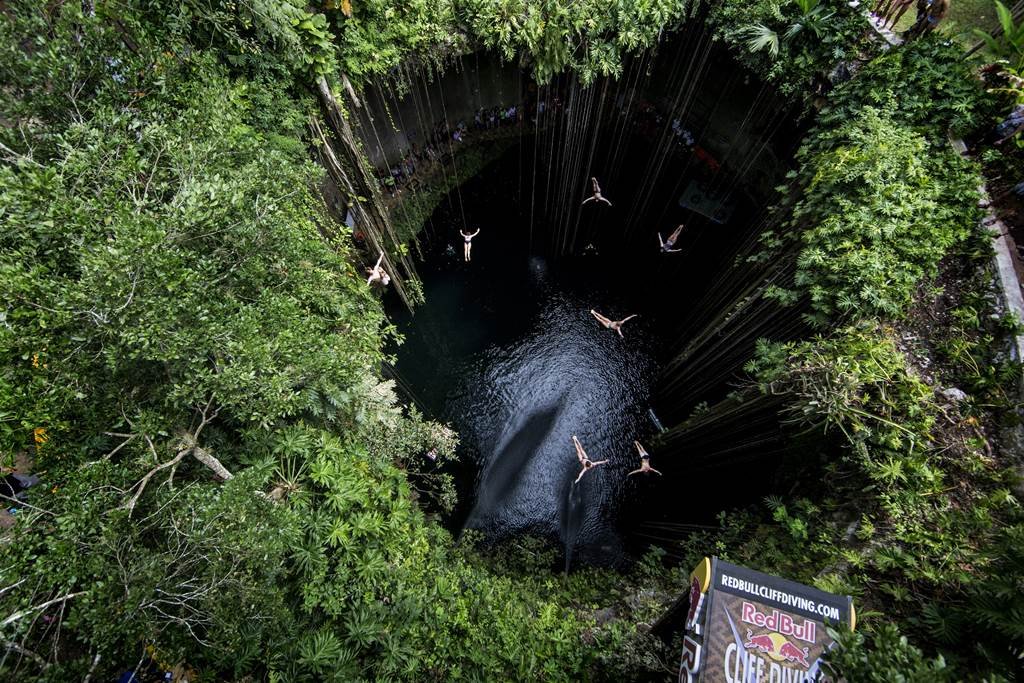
(587,463)
(609,323)
(645,462)
(467,247)
(666,245)
(597,194)
(378,274)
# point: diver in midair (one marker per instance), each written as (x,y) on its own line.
(597,194)
(467,247)
(645,462)
(666,245)
(609,323)
(378,274)
(586,462)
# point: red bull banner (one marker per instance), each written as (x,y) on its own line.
(743,626)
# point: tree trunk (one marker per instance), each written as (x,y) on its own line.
(355,179)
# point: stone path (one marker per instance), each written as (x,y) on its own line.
(1009,270)
(887,34)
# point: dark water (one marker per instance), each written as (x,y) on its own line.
(506,351)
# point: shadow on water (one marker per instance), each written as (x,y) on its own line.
(506,352)
(503,474)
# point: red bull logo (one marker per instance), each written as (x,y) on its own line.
(762,642)
(777,647)
(779,622)
(791,653)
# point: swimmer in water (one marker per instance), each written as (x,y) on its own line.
(597,194)
(645,462)
(666,245)
(378,274)
(586,462)
(609,323)
(467,247)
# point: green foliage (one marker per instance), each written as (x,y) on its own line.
(177,304)
(883,656)
(877,202)
(968,343)
(929,501)
(857,382)
(227,473)
(205,570)
(925,84)
(589,37)
(760,37)
(377,36)
(994,606)
(879,207)
(381,34)
(390,595)
(1009,44)
(225,470)
(792,43)
(256,33)
(137,269)
(812,17)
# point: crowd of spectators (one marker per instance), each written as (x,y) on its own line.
(443,138)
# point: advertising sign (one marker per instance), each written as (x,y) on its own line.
(699,198)
(747,627)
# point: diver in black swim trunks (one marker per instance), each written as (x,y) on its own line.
(645,462)
(467,247)
(597,194)
(666,245)
(586,462)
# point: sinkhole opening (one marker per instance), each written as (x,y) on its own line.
(505,348)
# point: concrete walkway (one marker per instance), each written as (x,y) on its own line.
(1009,270)
(888,35)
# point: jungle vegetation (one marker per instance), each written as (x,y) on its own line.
(192,360)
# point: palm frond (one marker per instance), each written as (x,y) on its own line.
(760,37)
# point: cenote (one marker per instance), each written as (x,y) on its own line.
(505,349)
(261,421)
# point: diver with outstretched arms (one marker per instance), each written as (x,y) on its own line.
(611,324)
(666,245)
(597,194)
(586,462)
(467,247)
(645,462)
(378,274)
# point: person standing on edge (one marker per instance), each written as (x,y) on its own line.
(894,11)
(929,14)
